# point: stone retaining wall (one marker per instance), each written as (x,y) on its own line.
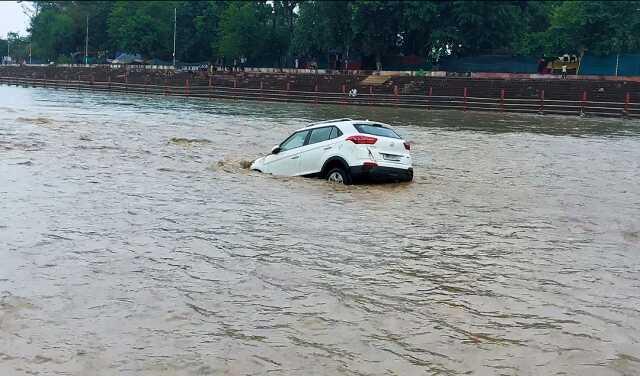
(602,96)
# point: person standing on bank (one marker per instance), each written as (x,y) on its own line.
(564,70)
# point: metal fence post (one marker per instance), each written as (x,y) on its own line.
(627,100)
(465,99)
(235,86)
(395,92)
(210,88)
(502,100)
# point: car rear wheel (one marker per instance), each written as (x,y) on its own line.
(338,176)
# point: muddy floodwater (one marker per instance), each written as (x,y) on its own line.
(133,241)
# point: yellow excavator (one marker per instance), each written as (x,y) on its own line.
(571,61)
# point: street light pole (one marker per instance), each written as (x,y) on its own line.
(86,44)
(175,21)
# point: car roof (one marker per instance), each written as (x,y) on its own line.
(339,123)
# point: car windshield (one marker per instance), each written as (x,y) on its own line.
(376,130)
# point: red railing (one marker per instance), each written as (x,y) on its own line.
(464,101)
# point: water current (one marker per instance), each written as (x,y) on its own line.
(133,241)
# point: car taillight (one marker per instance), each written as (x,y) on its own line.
(362,140)
(407,146)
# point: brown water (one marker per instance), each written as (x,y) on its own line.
(132,242)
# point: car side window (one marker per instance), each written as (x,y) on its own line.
(294,141)
(319,135)
(335,133)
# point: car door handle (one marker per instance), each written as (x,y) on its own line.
(296,157)
(328,147)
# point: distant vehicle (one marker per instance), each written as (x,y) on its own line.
(343,151)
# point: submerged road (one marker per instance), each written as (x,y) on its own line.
(133,242)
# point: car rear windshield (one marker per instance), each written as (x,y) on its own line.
(376,130)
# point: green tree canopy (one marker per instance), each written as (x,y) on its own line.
(269,32)
(600,27)
(53,31)
(243,29)
(145,27)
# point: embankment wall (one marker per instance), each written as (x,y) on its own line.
(597,97)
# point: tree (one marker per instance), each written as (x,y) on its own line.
(53,32)
(243,30)
(198,29)
(322,27)
(19,47)
(418,23)
(270,32)
(283,20)
(59,28)
(307,36)
(144,27)
(98,13)
(3,47)
(531,39)
(601,27)
(379,37)
(480,27)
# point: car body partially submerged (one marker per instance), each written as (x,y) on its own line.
(341,151)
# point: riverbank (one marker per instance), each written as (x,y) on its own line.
(609,98)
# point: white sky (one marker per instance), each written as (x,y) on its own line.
(12,18)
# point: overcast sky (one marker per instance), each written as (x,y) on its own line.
(12,18)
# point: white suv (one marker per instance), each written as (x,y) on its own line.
(342,151)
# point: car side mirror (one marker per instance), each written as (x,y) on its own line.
(276,149)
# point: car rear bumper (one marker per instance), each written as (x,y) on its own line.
(380,174)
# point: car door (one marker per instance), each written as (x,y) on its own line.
(321,142)
(287,161)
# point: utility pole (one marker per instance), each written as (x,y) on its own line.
(86,44)
(175,21)
(29,52)
(8,56)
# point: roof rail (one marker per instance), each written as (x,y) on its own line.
(329,121)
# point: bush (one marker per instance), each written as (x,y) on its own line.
(63,59)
